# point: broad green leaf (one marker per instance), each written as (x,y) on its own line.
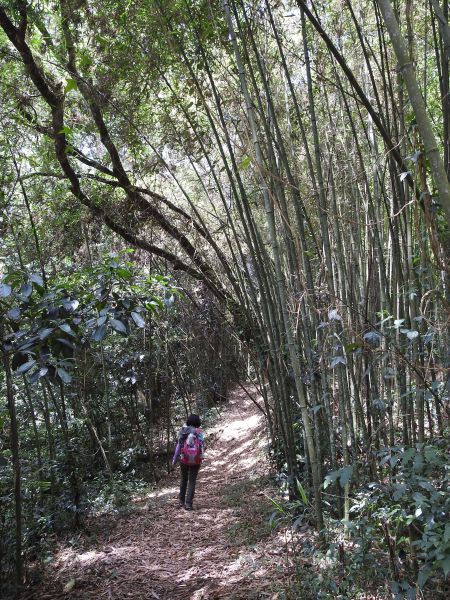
(138,320)
(44,333)
(67,329)
(399,491)
(124,273)
(408,454)
(64,375)
(5,290)
(153,305)
(118,326)
(70,305)
(414,157)
(445,564)
(418,462)
(26,290)
(393,461)
(99,333)
(37,279)
(70,85)
(85,61)
(412,335)
(423,576)
(65,130)
(25,367)
(419,498)
(13,314)
(427,485)
(447,532)
(345,475)
(37,374)
(34,376)
(28,344)
(330,478)
(385,460)
(245,163)
(372,337)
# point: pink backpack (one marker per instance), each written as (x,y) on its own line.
(192,450)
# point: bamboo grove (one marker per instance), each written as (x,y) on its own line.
(287,160)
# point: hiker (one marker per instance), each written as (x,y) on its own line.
(190,449)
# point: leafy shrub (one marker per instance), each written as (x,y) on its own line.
(408,512)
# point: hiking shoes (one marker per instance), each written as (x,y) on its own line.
(188,507)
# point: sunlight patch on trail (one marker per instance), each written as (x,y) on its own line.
(91,557)
(235,428)
(163,491)
(173,554)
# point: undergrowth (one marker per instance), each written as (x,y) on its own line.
(396,544)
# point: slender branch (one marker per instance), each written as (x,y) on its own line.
(443,26)
(358,90)
(424,123)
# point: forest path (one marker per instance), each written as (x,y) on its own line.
(218,550)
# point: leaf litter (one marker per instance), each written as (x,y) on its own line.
(223,549)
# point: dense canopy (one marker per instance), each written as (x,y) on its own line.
(196,193)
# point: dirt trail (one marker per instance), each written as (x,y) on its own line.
(219,550)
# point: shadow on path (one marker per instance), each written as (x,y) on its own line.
(163,552)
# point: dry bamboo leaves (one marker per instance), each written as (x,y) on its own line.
(163,553)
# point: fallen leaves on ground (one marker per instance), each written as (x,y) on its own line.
(224,549)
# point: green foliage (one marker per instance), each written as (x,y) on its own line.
(409,512)
(342,475)
(405,513)
(106,358)
(52,325)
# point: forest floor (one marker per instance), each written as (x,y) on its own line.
(224,548)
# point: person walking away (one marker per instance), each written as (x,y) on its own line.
(190,450)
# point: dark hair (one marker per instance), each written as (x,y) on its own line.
(193,421)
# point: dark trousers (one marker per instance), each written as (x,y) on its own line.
(187,484)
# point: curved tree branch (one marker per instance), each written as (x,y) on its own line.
(54,97)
